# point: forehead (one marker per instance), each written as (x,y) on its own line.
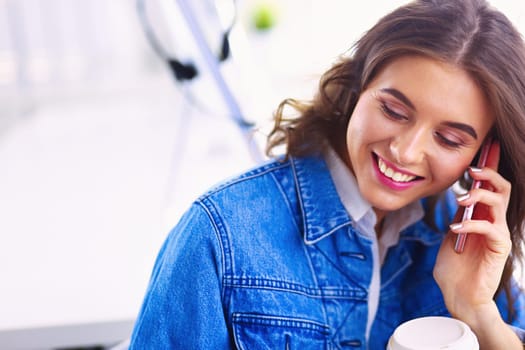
(437,89)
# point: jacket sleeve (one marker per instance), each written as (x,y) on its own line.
(517,320)
(182,308)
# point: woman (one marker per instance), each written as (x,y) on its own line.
(329,247)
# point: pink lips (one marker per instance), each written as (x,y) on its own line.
(390,183)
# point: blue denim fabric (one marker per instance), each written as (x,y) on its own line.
(271,260)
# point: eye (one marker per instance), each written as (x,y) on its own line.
(391,112)
(447,141)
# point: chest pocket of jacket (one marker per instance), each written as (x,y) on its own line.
(258,332)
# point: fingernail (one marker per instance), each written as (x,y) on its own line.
(475,169)
(456,226)
(463,197)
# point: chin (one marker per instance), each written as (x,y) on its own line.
(384,203)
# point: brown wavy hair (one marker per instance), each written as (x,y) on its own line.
(467,33)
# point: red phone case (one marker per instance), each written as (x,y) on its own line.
(467,214)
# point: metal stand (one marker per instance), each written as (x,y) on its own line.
(213,65)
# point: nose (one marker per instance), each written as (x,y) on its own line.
(410,146)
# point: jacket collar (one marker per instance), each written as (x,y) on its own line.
(321,208)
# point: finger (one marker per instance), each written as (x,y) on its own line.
(495,205)
(491,180)
(497,236)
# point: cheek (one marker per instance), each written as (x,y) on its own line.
(363,123)
(447,169)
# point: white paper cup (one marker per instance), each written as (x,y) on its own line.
(433,333)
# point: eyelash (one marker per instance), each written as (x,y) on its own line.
(447,142)
(396,116)
(388,111)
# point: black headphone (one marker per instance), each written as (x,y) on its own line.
(182,71)
(187,71)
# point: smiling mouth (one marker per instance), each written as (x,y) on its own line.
(393,174)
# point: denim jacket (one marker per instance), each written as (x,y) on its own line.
(271,260)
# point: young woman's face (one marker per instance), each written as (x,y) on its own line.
(414,131)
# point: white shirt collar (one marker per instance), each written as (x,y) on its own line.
(346,186)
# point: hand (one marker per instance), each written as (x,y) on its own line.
(469,280)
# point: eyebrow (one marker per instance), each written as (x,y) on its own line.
(403,98)
(463,127)
(400,96)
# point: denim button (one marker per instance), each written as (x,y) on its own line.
(354,343)
(355,255)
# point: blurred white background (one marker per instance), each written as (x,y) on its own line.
(101,149)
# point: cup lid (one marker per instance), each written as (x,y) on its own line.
(433,333)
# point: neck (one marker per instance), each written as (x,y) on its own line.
(380,217)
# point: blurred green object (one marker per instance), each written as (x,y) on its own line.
(264,16)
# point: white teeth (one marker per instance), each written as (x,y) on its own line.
(391,173)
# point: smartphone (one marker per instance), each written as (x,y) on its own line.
(467,214)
